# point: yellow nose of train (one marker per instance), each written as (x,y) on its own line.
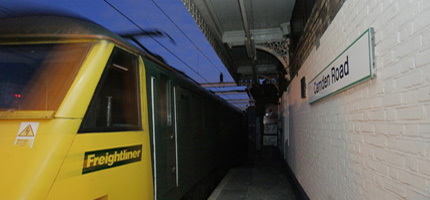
(31,156)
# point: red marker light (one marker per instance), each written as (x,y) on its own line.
(17,96)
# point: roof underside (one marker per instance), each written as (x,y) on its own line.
(251,37)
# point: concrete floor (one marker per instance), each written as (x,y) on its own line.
(263,179)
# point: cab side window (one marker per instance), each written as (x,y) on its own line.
(115,105)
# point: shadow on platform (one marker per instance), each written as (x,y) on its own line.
(263,178)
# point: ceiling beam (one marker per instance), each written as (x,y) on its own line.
(238,100)
(242,107)
(237,38)
(231,92)
(239,103)
(218,84)
(263,69)
(249,40)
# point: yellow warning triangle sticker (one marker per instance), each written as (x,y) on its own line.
(27,132)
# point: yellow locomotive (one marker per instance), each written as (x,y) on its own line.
(86,115)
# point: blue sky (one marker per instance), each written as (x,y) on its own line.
(147,15)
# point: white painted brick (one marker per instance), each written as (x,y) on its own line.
(375,191)
(356,128)
(425,39)
(411,130)
(387,60)
(389,72)
(407,11)
(390,157)
(373,5)
(367,150)
(409,97)
(385,20)
(423,94)
(374,12)
(395,187)
(407,47)
(409,80)
(414,180)
(421,21)
(425,73)
(350,127)
(356,158)
(391,196)
(376,102)
(389,129)
(428,151)
(379,180)
(370,141)
(424,6)
(377,115)
(410,113)
(407,64)
(358,180)
(405,32)
(424,130)
(390,87)
(393,99)
(380,89)
(378,167)
(422,58)
(368,173)
(411,164)
(395,129)
(408,146)
(427,111)
(380,128)
(357,117)
(354,107)
(389,41)
(366,128)
(391,114)
(357,138)
(373,89)
(393,173)
(413,195)
(424,167)
(364,105)
(354,96)
(376,140)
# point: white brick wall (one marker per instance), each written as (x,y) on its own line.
(371,141)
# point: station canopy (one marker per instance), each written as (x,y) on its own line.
(251,37)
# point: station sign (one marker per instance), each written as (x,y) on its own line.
(354,65)
(270,129)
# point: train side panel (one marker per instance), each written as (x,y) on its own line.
(197,144)
(162,124)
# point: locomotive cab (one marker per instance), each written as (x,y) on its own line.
(73,112)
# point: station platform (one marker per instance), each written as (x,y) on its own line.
(263,178)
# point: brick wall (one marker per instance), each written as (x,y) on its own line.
(371,141)
(322,14)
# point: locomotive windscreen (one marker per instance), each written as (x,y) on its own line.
(38,76)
